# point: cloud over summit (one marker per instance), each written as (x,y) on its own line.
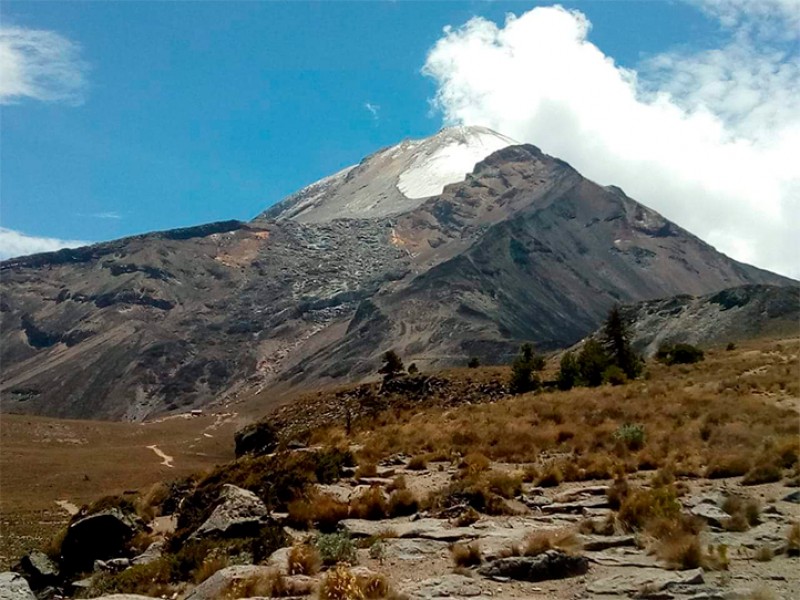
(706,138)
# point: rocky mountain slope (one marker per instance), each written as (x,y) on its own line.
(316,288)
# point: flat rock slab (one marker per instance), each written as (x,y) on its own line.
(553,564)
(579,506)
(596,543)
(710,513)
(218,585)
(446,586)
(622,557)
(411,549)
(652,579)
(432,529)
(14,587)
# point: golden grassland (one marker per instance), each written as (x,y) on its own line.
(735,413)
(44,460)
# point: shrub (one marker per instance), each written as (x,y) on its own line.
(551,476)
(402,503)
(727,465)
(336,548)
(369,504)
(366,470)
(766,469)
(730,347)
(793,540)
(474,463)
(340,584)
(744,513)
(631,435)
(679,354)
(614,375)
(473,362)
(466,555)
(641,505)
(418,463)
(505,485)
(592,362)
(392,366)
(304,559)
(764,554)
(320,510)
(373,585)
(541,541)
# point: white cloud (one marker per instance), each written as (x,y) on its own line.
(373,109)
(708,139)
(41,65)
(15,243)
(111,214)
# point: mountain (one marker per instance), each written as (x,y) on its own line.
(517,247)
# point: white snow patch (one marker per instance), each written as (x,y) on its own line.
(449,162)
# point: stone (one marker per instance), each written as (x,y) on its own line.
(432,529)
(710,513)
(553,564)
(652,579)
(413,549)
(99,536)
(596,543)
(220,583)
(579,506)
(793,497)
(14,586)
(445,586)
(124,597)
(589,490)
(256,439)
(38,569)
(279,560)
(536,501)
(240,513)
(152,553)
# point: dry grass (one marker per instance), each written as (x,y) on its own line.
(793,539)
(466,554)
(744,513)
(340,584)
(402,503)
(304,559)
(418,463)
(543,540)
(270,585)
(369,504)
(318,510)
(707,418)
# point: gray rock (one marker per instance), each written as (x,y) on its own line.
(579,506)
(38,569)
(152,553)
(13,586)
(589,490)
(536,501)
(432,529)
(793,497)
(279,560)
(112,565)
(596,543)
(219,584)
(411,549)
(99,536)
(653,579)
(710,513)
(239,513)
(124,597)
(553,564)
(446,586)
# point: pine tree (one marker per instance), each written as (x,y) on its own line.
(592,362)
(568,372)
(523,370)
(392,365)
(616,342)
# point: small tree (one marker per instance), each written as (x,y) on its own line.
(392,365)
(568,372)
(523,371)
(617,344)
(413,369)
(592,363)
(474,363)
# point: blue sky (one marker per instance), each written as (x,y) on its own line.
(177,113)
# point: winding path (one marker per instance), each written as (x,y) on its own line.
(166,459)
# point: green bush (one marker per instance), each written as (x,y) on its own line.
(614,375)
(568,372)
(679,354)
(523,371)
(631,435)
(592,362)
(335,548)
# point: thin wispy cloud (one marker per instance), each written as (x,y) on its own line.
(373,109)
(40,65)
(108,215)
(15,243)
(709,139)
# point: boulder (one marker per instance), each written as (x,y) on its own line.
(99,536)
(445,586)
(793,497)
(553,564)
(151,554)
(38,569)
(634,580)
(221,582)
(256,439)
(14,586)
(710,513)
(240,513)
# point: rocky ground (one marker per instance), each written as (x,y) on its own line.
(415,554)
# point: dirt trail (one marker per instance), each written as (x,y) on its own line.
(166,459)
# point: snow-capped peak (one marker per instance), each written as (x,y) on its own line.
(446,158)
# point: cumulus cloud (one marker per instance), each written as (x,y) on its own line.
(41,65)
(15,243)
(708,139)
